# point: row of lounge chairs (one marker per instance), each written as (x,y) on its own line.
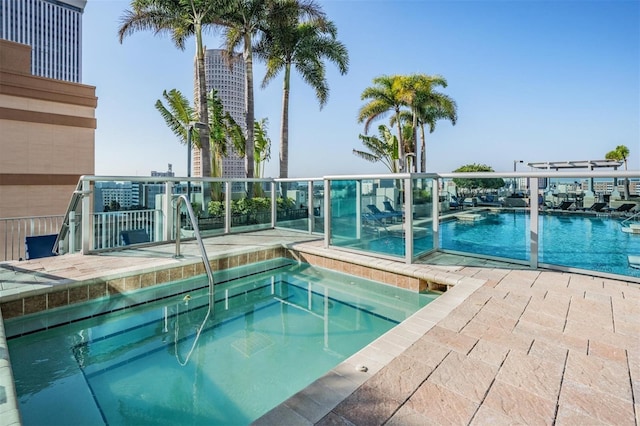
(597,207)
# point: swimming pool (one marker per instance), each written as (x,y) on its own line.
(271,334)
(573,240)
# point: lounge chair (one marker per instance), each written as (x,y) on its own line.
(40,246)
(627,207)
(564,205)
(382,215)
(389,208)
(596,207)
(134,236)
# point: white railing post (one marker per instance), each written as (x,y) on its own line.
(158,224)
(310,208)
(274,205)
(533,221)
(72,232)
(358,209)
(408,219)
(87,222)
(167,212)
(436,213)
(327,213)
(227,207)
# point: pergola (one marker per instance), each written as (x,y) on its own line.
(587,164)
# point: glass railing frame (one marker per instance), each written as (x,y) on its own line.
(87,183)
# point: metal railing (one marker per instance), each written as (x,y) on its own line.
(337,207)
(13,232)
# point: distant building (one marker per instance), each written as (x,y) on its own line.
(229,83)
(53,29)
(168,173)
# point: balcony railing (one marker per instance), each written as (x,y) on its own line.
(13,232)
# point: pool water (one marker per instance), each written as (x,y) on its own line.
(270,335)
(575,241)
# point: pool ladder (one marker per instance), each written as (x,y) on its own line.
(194,224)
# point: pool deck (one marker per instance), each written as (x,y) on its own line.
(504,345)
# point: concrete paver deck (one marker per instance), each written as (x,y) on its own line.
(512,346)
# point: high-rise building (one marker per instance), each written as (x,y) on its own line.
(229,83)
(53,29)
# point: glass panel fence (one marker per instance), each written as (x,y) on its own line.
(293,205)
(318,207)
(250,213)
(591,224)
(361,215)
(209,209)
(125,213)
(484,217)
(345,223)
(423,199)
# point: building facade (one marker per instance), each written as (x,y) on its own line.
(229,83)
(53,29)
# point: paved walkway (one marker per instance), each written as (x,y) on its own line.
(506,346)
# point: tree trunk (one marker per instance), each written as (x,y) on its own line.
(423,154)
(284,125)
(250,144)
(203,116)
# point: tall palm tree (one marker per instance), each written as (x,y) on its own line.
(621,153)
(242,22)
(180,19)
(382,149)
(384,97)
(178,113)
(305,46)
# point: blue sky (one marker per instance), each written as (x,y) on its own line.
(533,81)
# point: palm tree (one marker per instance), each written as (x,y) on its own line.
(262,146)
(382,149)
(385,96)
(223,129)
(621,153)
(426,105)
(244,21)
(177,114)
(179,19)
(305,46)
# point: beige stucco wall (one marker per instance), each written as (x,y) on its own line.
(47,137)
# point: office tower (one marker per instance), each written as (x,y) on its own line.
(53,29)
(229,83)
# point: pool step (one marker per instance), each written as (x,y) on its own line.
(469,217)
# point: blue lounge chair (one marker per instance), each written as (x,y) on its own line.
(375,211)
(134,236)
(38,246)
(389,208)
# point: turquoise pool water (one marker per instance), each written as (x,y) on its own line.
(271,334)
(576,241)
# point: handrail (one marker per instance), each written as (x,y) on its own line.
(634,216)
(205,259)
(196,231)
